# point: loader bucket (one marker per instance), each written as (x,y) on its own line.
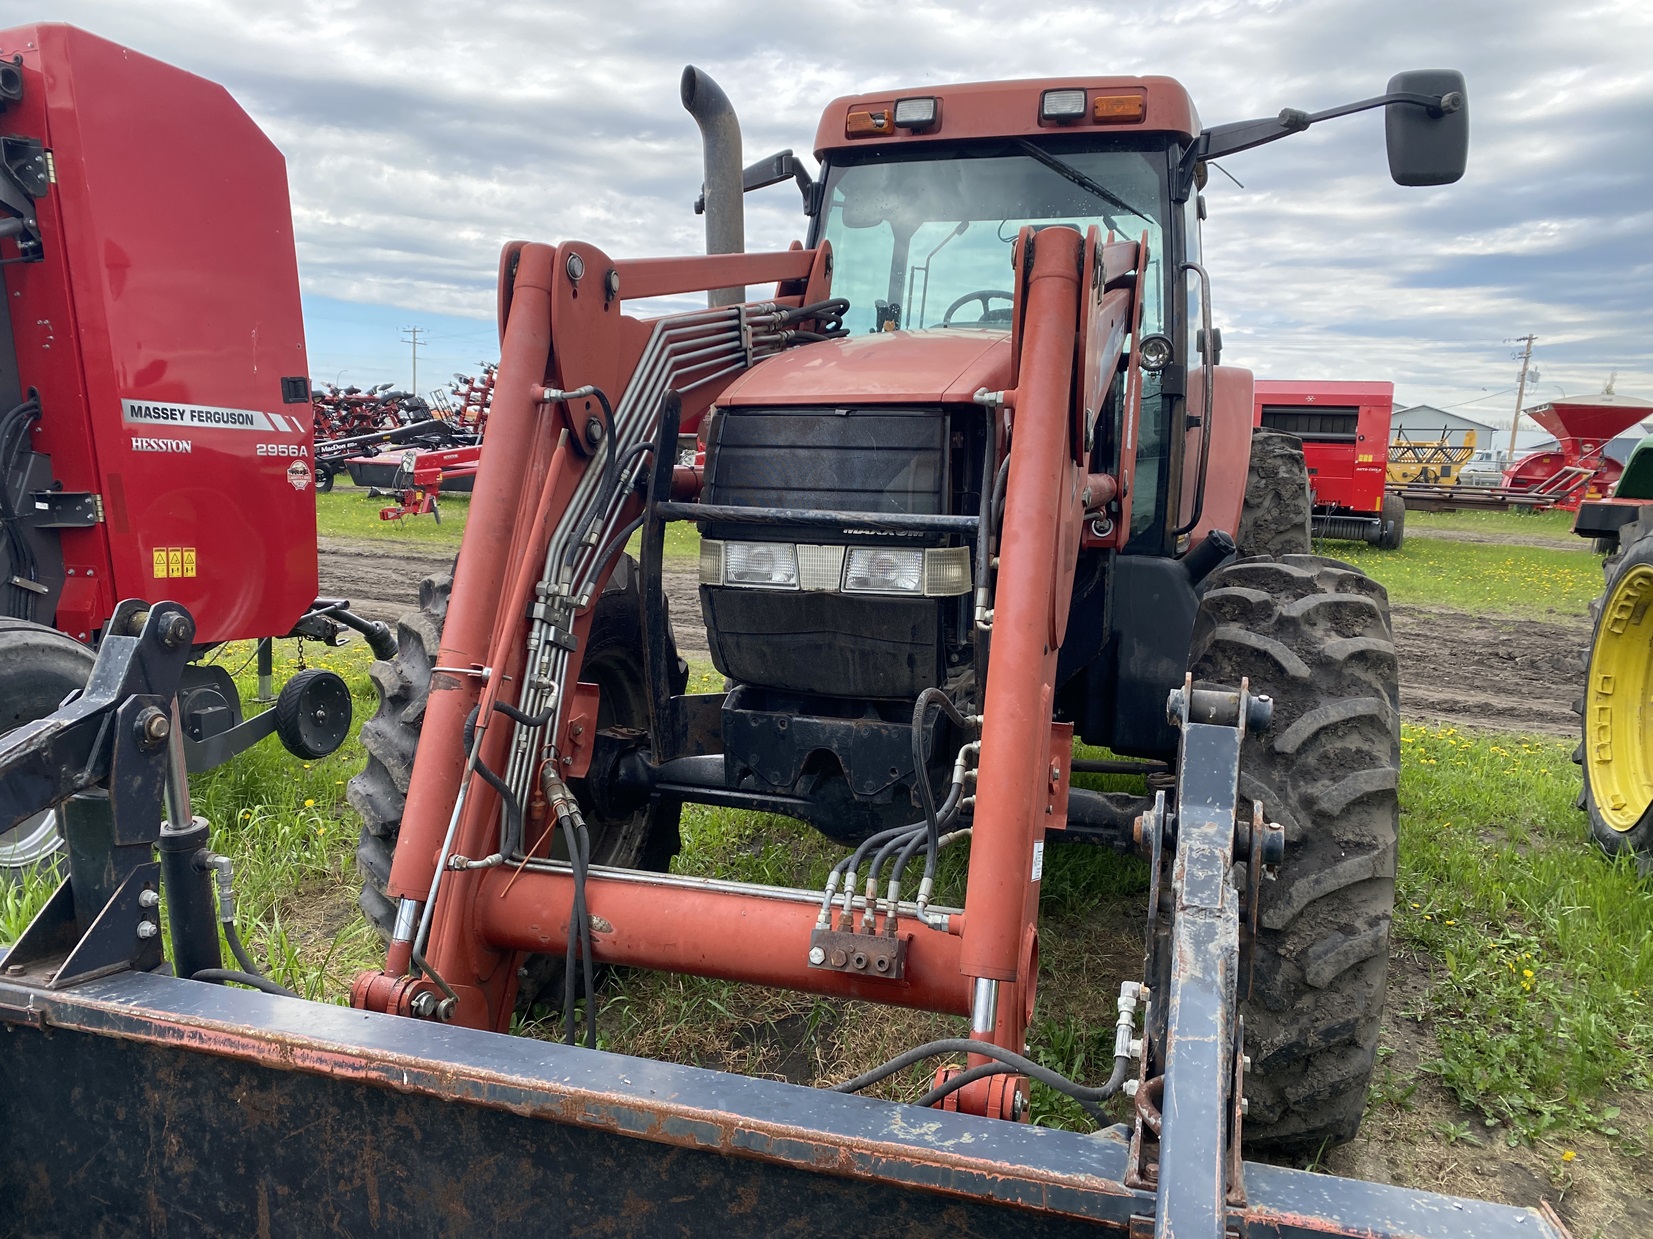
(142,1103)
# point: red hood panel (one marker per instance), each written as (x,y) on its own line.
(895,367)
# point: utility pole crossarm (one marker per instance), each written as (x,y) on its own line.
(413,336)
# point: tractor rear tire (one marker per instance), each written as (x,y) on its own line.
(1275,517)
(39,667)
(1391,530)
(613,661)
(1314,634)
(1615,749)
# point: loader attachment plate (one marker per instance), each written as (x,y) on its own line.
(144,1104)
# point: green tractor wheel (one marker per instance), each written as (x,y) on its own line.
(1616,748)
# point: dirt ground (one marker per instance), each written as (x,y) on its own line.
(1465,670)
(1489,672)
(1558,542)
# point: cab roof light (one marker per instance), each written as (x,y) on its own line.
(1118,109)
(867,124)
(919,113)
(1062,106)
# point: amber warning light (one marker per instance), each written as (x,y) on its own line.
(1117,109)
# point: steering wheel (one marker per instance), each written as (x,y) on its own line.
(983,295)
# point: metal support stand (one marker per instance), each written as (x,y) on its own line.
(266,669)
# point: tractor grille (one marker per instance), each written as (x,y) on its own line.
(848,460)
(812,638)
(1316,425)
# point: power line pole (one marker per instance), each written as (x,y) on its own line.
(410,335)
(1521,389)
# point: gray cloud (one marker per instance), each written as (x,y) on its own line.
(421,135)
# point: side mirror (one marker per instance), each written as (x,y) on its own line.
(1427,145)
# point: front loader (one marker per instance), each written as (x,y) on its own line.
(973,487)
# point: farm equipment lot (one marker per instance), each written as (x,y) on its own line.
(1491,1083)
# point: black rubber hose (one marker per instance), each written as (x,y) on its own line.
(527,720)
(571,950)
(243,978)
(1086,1096)
(579,851)
(239,950)
(921,772)
(512,843)
(909,840)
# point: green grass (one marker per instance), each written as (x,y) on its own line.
(347,512)
(1516,522)
(1479,577)
(1541,951)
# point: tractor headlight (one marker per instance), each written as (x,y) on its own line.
(947,571)
(765,565)
(883,570)
(940,572)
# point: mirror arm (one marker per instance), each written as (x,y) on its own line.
(768,171)
(1242,135)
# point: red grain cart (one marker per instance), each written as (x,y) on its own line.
(1345,432)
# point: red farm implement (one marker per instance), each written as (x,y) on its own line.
(162,445)
(1578,468)
(1344,428)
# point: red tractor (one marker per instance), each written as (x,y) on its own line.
(1344,429)
(155,418)
(971,489)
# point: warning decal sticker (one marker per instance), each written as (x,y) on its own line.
(173,561)
(203,416)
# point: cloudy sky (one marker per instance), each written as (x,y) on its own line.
(420,135)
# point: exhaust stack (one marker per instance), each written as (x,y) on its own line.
(720,137)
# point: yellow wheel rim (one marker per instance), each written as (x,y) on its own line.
(1618,703)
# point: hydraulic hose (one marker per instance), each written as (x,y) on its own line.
(921,760)
(243,978)
(1086,1096)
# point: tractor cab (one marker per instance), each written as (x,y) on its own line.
(924,203)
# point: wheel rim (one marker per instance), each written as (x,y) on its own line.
(29,842)
(1618,747)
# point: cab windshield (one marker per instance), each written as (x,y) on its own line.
(926,242)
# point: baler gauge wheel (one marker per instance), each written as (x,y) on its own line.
(1616,747)
(39,668)
(1391,528)
(325,473)
(313,714)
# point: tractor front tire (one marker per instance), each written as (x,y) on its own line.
(1314,634)
(613,660)
(1275,517)
(1616,746)
(39,668)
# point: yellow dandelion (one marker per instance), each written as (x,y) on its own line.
(310,804)
(1568,1155)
